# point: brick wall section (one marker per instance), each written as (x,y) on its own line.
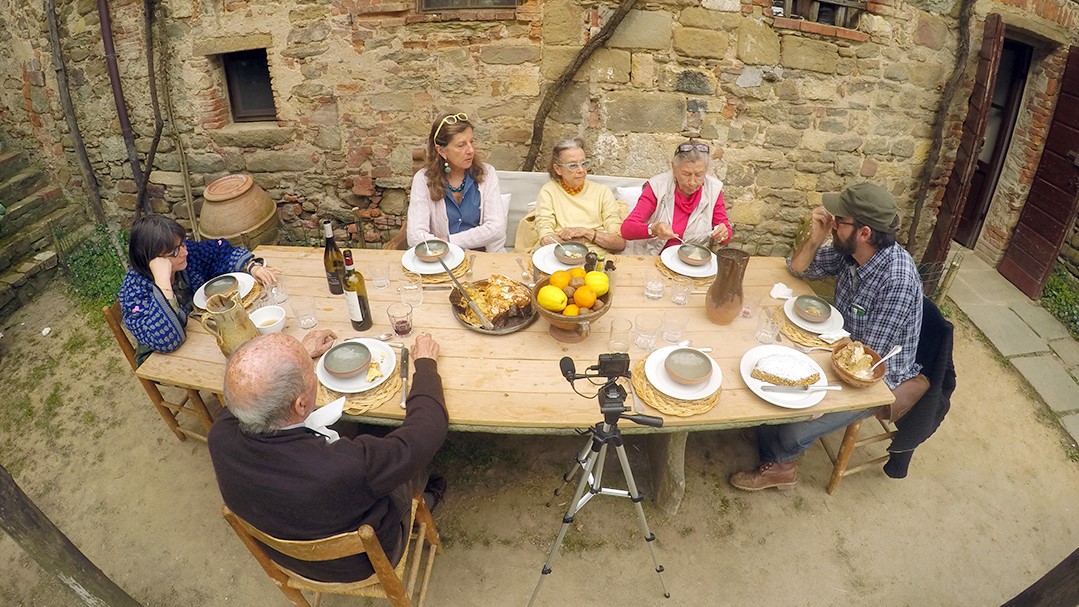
(790,111)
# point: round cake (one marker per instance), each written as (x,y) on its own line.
(785,370)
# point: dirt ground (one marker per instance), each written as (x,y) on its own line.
(990,504)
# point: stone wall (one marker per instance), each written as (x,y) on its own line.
(791,109)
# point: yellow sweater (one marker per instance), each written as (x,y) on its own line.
(594,207)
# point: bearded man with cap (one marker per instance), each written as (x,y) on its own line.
(878,291)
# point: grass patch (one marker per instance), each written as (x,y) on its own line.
(96,270)
(1061,298)
(1071,451)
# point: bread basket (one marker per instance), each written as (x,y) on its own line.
(850,378)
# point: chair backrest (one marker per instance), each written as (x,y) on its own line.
(114,318)
(351,543)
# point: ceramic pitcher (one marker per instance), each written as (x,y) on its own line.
(226,320)
(724,300)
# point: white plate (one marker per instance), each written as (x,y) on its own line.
(832,323)
(243,279)
(352,385)
(657,376)
(547,263)
(783,399)
(415,264)
(669,257)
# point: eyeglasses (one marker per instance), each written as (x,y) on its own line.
(573,166)
(846,223)
(451,119)
(176,252)
(689,147)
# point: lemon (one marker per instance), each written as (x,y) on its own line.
(551,298)
(598,282)
(571,310)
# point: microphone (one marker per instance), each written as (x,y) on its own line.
(569,370)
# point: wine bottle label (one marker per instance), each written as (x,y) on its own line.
(355,312)
(333,279)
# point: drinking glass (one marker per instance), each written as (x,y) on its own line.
(379,272)
(278,292)
(673,326)
(750,307)
(303,306)
(621,335)
(648,325)
(412,290)
(767,326)
(654,283)
(400,318)
(680,290)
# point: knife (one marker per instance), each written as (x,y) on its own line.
(771,388)
(404,376)
(471,304)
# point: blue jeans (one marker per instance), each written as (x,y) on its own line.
(781,443)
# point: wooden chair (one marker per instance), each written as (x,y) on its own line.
(387,582)
(191,404)
(930,351)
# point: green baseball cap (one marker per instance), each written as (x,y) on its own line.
(870,204)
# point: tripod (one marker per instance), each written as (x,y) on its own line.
(590,463)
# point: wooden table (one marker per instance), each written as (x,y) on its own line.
(512,383)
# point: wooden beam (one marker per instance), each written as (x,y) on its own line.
(46,544)
(1058,587)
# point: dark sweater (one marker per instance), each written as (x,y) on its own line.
(293,484)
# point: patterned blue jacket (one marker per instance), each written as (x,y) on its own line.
(147,312)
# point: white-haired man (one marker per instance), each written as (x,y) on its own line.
(291,482)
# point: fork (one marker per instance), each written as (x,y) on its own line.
(802,348)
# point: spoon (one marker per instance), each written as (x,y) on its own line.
(891,353)
(471,262)
(385,337)
(525,274)
(685,344)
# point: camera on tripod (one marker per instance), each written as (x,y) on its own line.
(611,395)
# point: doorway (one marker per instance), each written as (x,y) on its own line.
(1003,111)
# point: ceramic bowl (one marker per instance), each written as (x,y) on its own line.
(578,326)
(812,308)
(222,285)
(269,319)
(432,250)
(688,366)
(694,255)
(850,378)
(571,253)
(347,359)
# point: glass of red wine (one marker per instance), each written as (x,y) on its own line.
(400,318)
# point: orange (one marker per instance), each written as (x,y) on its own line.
(584,297)
(560,279)
(577,272)
(571,310)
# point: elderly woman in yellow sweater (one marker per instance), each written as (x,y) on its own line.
(569,207)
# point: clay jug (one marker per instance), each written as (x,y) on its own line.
(724,300)
(227,321)
(238,210)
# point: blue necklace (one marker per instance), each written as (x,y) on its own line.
(459,188)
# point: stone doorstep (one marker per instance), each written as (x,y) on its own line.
(23,182)
(14,249)
(1071,424)
(1044,324)
(1068,351)
(1050,380)
(11,162)
(31,208)
(1005,330)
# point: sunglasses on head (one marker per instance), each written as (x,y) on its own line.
(573,166)
(451,119)
(689,147)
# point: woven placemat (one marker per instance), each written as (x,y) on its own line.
(360,403)
(795,333)
(440,278)
(669,273)
(665,404)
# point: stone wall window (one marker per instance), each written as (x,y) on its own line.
(442,5)
(840,13)
(247,74)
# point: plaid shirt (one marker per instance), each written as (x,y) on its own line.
(881,303)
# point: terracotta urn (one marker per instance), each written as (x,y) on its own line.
(239,211)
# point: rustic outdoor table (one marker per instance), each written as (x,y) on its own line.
(511,384)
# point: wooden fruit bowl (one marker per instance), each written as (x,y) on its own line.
(849,378)
(569,329)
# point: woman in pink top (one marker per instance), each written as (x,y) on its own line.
(685,202)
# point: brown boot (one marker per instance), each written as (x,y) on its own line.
(769,474)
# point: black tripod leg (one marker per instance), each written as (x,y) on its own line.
(636,498)
(587,465)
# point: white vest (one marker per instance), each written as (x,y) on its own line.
(699,226)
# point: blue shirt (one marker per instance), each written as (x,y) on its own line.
(464,215)
(881,303)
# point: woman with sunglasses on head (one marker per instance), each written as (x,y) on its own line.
(166,271)
(569,207)
(454,197)
(685,202)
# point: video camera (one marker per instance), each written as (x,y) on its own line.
(612,396)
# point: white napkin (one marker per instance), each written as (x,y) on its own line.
(834,336)
(324,416)
(781,291)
